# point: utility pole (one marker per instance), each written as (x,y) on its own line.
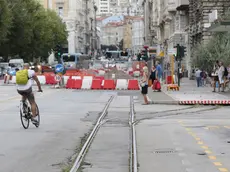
(180,54)
(178,57)
(86,27)
(95,27)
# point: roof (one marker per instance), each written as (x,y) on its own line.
(114,24)
(101,18)
(134,17)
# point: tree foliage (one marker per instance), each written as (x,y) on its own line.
(218,48)
(5,20)
(34,32)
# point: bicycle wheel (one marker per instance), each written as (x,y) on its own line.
(24,120)
(37,117)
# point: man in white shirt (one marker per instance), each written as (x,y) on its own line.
(198,77)
(26,90)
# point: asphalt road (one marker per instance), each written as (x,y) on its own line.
(63,124)
(185,141)
(170,138)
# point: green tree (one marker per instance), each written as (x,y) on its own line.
(5,20)
(34,32)
(218,48)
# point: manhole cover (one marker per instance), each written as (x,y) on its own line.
(202,153)
(195,126)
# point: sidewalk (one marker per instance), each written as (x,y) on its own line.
(159,96)
(190,92)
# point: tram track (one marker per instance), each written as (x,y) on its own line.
(107,119)
(79,161)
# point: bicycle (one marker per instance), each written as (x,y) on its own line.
(26,114)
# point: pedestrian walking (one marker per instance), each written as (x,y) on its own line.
(144,85)
(221,72)
(198,78)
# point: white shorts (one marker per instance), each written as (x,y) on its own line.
(221,80)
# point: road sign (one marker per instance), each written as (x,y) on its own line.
(59,68)
(57,78)
(172,51)
(12,72)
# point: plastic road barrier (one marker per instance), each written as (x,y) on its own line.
(122,84)
(133,85)
(109,84)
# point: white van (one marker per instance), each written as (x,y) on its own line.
(18,63)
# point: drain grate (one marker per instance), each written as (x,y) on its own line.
(164,151)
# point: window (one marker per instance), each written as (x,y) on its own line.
(60,11)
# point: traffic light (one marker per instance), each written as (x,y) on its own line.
(144,54)
(178,55)
(139,57)
(182,51)
(58,51)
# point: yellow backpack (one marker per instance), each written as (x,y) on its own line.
(22,77)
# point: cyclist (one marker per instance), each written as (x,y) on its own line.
(24,81)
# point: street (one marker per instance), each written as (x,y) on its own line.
(169,137)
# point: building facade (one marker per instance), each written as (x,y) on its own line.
(112,33)
(118,7)
(199,11)
(167,26)
(79,17)
(137,34)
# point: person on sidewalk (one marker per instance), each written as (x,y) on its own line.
(227,77)
(215,76)
(153,75)
(221,76)
(198,78)
(203,76)
(159,72)
(144,85)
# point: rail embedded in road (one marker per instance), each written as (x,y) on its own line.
(133,146)
(100,122)
(88,142)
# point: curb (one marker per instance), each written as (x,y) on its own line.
(165,102)
(193,102)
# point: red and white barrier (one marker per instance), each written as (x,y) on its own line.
(205,102)
(122,84)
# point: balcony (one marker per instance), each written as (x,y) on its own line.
(182,5)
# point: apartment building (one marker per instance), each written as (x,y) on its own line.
(79,17)
(199,18)
(118,7)
(167,26)
(137,34)
(112,33)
